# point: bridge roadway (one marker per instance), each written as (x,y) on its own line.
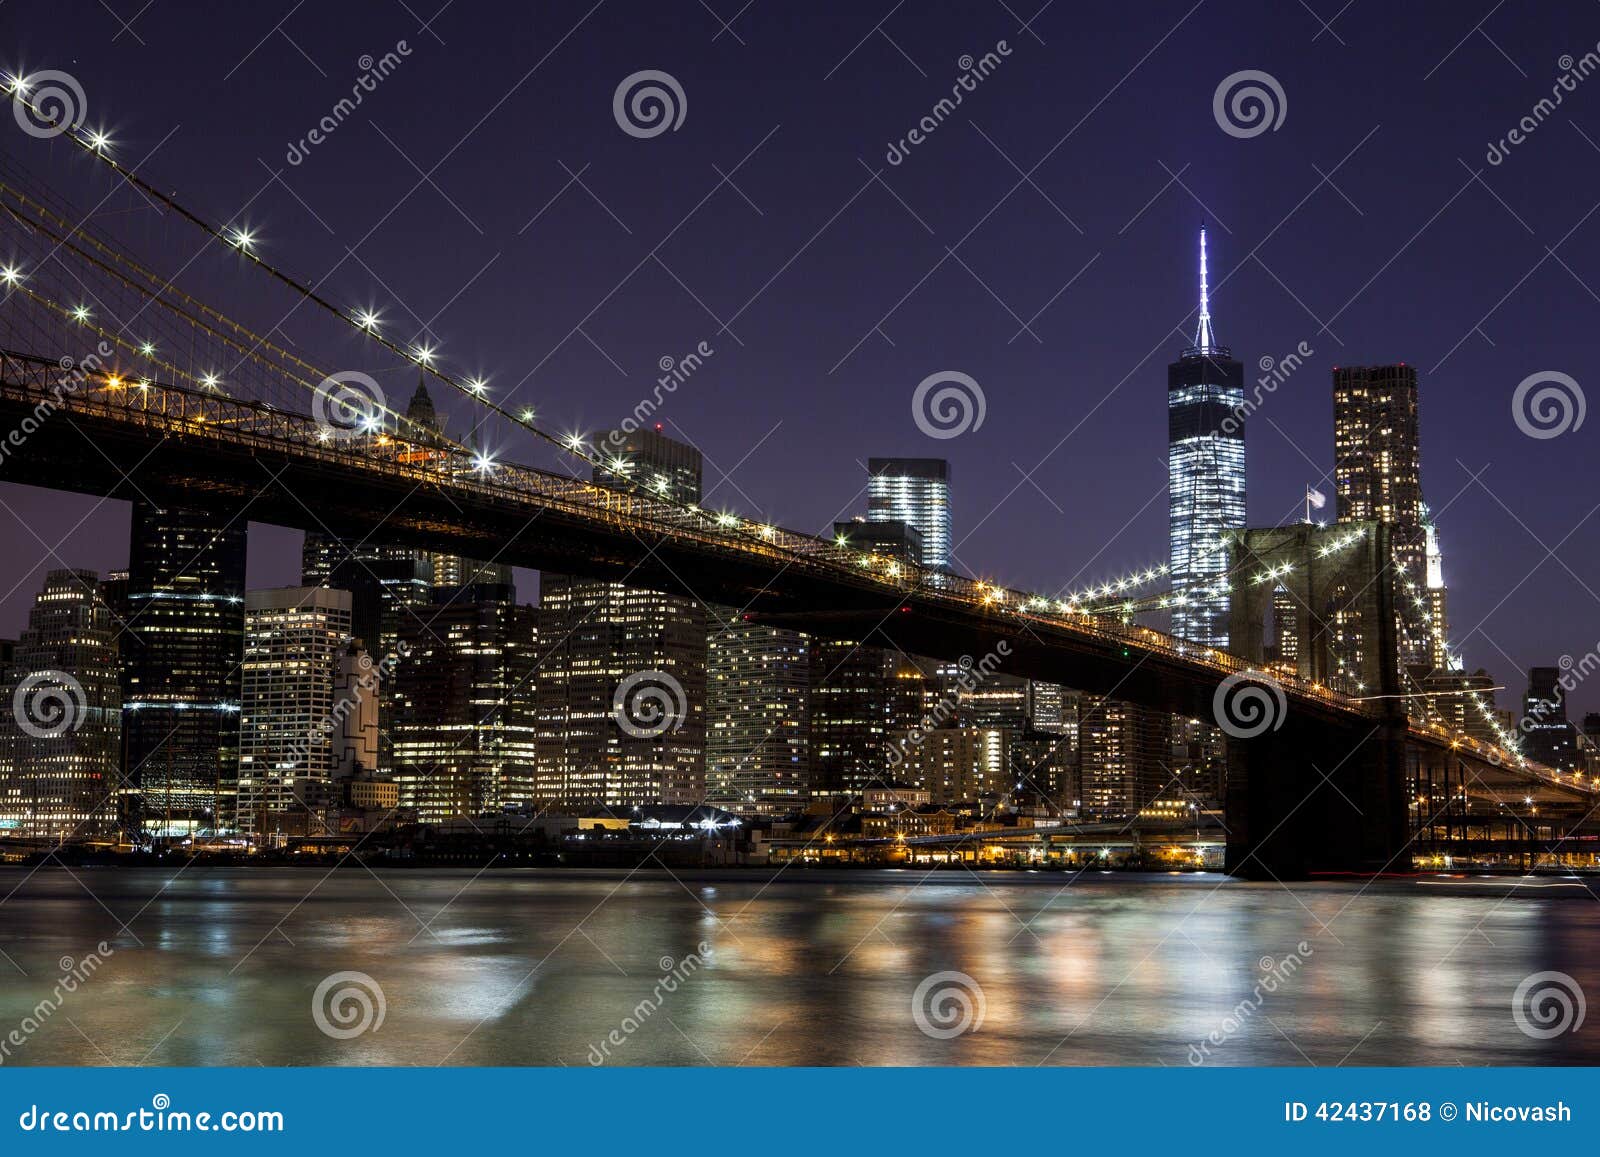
(104,435)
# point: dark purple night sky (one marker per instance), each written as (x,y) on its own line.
(829,282)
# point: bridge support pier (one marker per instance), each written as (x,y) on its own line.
(1316,797)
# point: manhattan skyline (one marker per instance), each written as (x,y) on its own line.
(1403,254)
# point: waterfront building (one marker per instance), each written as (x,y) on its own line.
(465,741)
(600,637)
(1205,476)
(62,729)
(916,492)
(757,718)
(956,764)
(181,640)
(295,639)
(1124,752)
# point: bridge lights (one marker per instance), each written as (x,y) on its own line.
(483,463)
(422,354)
(81,314)
(147,348)
(99,141)
(210,381)
(478,386)
(243,239)
(10,274)
(726,520)
(368,320)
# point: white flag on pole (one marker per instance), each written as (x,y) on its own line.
(1316,497)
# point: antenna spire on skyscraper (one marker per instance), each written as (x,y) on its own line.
(1204,342)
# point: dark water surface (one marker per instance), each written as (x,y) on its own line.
(221,967)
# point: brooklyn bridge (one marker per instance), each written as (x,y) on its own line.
(115,383)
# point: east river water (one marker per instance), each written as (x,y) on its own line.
(225,967)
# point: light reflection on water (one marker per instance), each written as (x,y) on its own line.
(218,967)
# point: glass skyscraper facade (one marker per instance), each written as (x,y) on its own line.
(1205,476)
(915,491)
(182,640)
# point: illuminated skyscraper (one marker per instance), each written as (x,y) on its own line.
(181,640)
(63,720)
(464,735)
(596,634)
(757,722)
(915,491)
(1378,475)
(295,639)
(1205,475)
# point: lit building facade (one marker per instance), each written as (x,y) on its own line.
(1548,736)
(181,638)
(295,639)
(596,634)
(1123,759)
(914,491)
(1378,477)
(758,732)
(464,735)
(62,735)
(1205,476)
(957,764)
